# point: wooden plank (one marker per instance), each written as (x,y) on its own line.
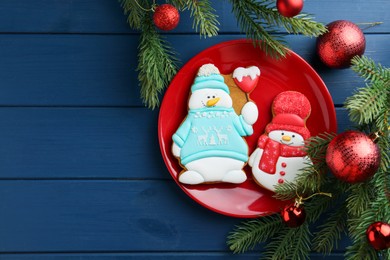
(106,16)
(156,256)
(85,216)
(143,217)
(96,70)
(76,143)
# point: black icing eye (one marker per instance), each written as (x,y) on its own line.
(208,96)
(282,133)
(213,96)
(293,136)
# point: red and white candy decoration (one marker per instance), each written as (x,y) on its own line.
(246,78)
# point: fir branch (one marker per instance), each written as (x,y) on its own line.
(299,24)
(360,196)
(367,104)
(377,209)
(369,70)
(205,19)
(156,63)
(289,243)
(257,29)
(247,235)
(371,103)
(316,147)
(318,205)
(307,181)
(330,232)
(311,177)
(361,250)
(134,13)
(287,191)
(384,146)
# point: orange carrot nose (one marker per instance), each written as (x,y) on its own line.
(212,102)
(286,138)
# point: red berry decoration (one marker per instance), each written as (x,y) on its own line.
(340,44)
(289,8)
(166,17)
(353,157)
(378,235)
(293,215)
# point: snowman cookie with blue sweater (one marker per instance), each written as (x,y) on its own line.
(209,143)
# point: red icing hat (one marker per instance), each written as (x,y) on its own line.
(290,110)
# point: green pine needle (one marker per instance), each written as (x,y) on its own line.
(361,250)
(361,204)
(258,19)
(156,63)
(135,14)
(257,29)
(253,232)
(289,243)
(360,196)
(373,101)
(316,148)
(205,19)
(369,70)
(368,103)
(326,239)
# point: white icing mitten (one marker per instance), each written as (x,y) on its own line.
(250,113)
(176,150)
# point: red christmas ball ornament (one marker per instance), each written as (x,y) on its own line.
(353,157)
(166,17)
(289,8)
(293,215)
(378,235)
(340,44)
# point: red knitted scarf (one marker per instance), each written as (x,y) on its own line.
(272,151)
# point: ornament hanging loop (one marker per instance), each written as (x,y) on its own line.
(369,25)
(375,136)
(152,8)
(300,200)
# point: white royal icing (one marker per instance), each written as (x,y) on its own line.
(287,168)
(200,97)
(250,113)
(209,142)
(241,72)
(207,70)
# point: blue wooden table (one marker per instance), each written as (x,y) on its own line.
(81,174)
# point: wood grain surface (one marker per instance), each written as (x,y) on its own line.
(81,173)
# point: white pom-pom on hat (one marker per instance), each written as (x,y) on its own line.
(207,70)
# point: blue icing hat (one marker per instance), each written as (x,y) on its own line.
(211,80)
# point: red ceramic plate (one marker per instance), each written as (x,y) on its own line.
(247,200)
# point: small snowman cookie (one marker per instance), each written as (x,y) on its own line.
(279,154)
(209,143)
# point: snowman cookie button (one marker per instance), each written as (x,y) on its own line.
(280,154)
(209,142)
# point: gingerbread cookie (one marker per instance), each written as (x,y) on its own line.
(209,143)
(279,154)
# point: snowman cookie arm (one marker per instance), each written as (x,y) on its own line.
(180,137)
(242,127)
(253,156)
(250,113)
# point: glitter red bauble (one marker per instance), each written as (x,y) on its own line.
(166,17)
(378,235)
(340,44)
(293,215)
(289,8)
(353,157)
